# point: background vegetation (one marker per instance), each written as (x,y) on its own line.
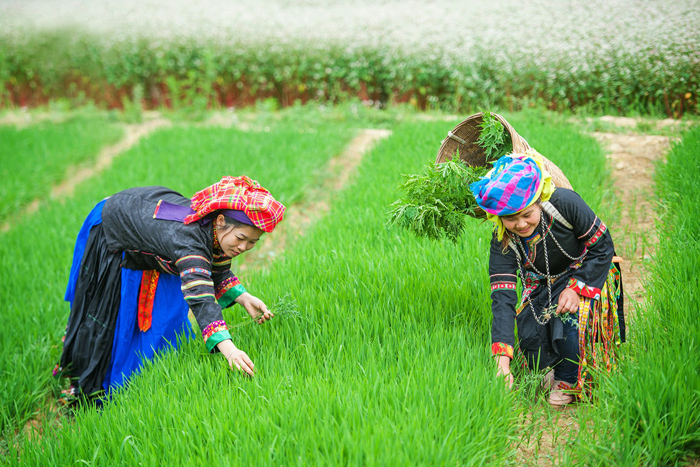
(613,57)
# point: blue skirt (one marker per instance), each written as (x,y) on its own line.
(103,356)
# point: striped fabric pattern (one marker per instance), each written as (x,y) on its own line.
(191,284)
(599,340)
(195,274)
(186,272)
(226,285)
(190,257)
(220,259)
(214,333)
(503,282)
(207,287)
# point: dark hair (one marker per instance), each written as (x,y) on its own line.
(233,222)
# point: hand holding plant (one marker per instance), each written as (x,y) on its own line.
(569,302)
(285,306)
(255,307)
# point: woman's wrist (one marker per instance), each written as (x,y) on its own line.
(242,298)
(503,361)
(226,347)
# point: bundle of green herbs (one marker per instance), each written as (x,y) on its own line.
(285,306)
(437,202)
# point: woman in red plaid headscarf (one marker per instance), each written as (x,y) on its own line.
(145,257)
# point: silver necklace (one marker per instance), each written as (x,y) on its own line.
(546,315)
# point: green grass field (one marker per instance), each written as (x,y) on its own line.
(33,158)
(389,362)
(36,250)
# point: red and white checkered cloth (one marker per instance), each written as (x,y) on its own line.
(241,194)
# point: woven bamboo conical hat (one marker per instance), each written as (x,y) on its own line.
(463,140)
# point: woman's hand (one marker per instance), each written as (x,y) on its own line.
(236,358)
(255,307)
(504,369)
(569,301)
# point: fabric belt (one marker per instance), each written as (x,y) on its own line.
(147,295)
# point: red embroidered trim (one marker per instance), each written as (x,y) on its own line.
(226,285)
(597,235)
(582,289)
(213,328)
(503,286)
(147,295)
(499,348)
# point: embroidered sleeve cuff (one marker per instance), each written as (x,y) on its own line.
(214,333)
(229,297)
(499,348)
(215,339)
(582,289)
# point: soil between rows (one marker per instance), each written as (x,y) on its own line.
(632,159)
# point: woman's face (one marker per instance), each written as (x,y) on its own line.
(236,240)
(523,223)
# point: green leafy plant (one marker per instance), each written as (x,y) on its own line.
(437,201)
(284,306)
(493,137)
(566,317)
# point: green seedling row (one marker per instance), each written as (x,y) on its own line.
(387,363)
(386,359)
(34,158)
(35,255)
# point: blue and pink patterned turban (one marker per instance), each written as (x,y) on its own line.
(515,183)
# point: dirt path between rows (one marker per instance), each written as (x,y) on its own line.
(77,174)
(632,159)
(316,203)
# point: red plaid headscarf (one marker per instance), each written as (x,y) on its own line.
(241,194)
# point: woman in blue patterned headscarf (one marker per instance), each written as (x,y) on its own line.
(571,301)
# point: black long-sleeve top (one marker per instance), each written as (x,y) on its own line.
(173,247)
(586,276)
